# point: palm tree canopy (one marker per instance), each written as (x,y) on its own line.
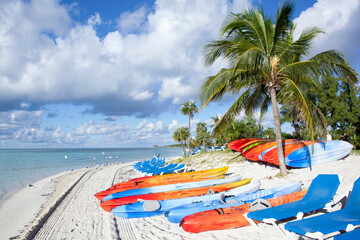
(261,56)
(201,127)
(189,108)
(181,134)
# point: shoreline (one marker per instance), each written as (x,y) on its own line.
(67,198)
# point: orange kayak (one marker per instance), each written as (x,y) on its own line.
(253,153)
(231,217)
(191,192)
(158,180)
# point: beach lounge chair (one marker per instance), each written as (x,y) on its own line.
(319,195)
(355,234)
(326,225)
(196,151)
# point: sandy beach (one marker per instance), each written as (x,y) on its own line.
(64,206)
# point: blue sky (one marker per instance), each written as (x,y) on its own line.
(113,73)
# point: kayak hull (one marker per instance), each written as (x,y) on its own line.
(232,217)
(139,209)
(111,204)
(175,215)
(170,187)
(158,180)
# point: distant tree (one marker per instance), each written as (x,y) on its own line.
(180,135)
(215,119)
(201,127)
(269,133)
(189,108)
(204,138)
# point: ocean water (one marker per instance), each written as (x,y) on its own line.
(19,167)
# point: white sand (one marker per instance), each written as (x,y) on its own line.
(65,208)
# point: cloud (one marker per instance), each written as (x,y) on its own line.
(25,127)
(46,57)
(131,22)
(338,21)
(173,88)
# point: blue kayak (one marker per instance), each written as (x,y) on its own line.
(326,151)
(175,215)
(171,187)
(151,208)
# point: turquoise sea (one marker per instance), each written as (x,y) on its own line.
(19,167)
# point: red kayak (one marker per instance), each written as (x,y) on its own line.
(235,145)
(231,217)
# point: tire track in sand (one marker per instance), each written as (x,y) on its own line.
(78,215)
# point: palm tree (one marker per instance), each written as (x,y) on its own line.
(201,127)
(189,108)
(203,138)
(265,66)
(180,135)
(215,119)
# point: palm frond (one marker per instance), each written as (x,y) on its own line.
(333,63)
(283,22)
(229,116)
(215,87)
(290,94)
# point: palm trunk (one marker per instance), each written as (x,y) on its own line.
(183,148)
(182,144)
(189,133)
(296,123)
(276,116)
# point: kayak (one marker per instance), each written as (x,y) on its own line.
(250,144)
(170,187)
(211,172)
(231,217)
(153,207)
(175,215)
(235,145)
(111,204)
(327,151)
(149,181)
(253,154)
(272,155)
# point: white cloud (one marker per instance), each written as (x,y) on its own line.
(24,126)
(46,59)
(132,21)
(173,88)
(338,19)
(174,125)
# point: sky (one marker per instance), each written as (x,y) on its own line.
(113,73)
